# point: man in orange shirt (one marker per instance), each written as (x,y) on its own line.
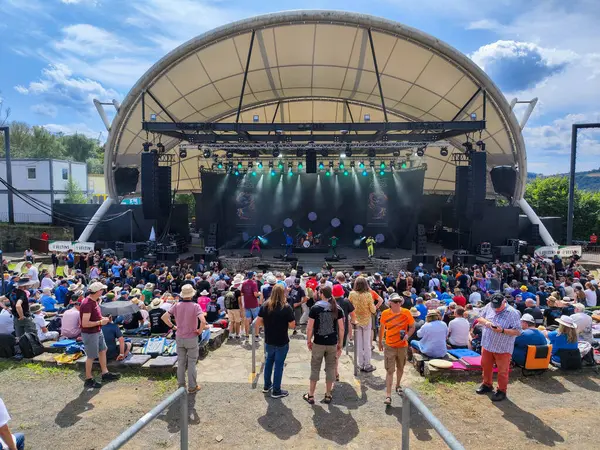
(398,325)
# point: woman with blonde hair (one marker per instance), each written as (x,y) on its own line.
(591,295)
(565,338)
(276,316)
(364,308)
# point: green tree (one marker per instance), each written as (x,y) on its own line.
(188,199)
(549,197)
(74,193)
(79,147)
(46,144)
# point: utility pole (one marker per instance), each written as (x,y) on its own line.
(11,210)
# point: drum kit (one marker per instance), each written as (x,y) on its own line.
(307,241)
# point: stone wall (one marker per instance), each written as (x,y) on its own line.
(17,235)
(390,265)
(237,265)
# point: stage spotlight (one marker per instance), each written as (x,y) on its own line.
(146,146)
(341,165)
(290,165)
(328,173)
(229,154)
(372,153)
(404,165)
(254,173)
(480,144)
(280,165)
(300,165)
(364,172)
(347,152)
(362,164)
(237,172)
(299,153)
(444,151)
(182,153)
(272,173)
(240,165)
(345,173)
(468,146)
(229,167)
(396,153)
(250,165)
(321,166)
(160,147)
(352,164)
(324,153)
(276,153)
(382,165)
(372,163)
(331,164)
(220,165)
(207,153)
(382,172)
(260,166)
(421,152)
(392,165)
(270,164)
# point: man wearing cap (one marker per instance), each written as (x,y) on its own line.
(296,298)
(501,325)
(250,299)
(398,325)
(188,315)
(529,336)
(92,337)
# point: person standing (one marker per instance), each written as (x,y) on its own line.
(326,325)
(364,309)
(277,317)
(249,300)
(296,298)
(19,305)
(190,325)
(334,241)
(370,246)
(501,325)
(397,325)
(92,337)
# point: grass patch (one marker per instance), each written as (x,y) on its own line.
(165,387)
(441,385)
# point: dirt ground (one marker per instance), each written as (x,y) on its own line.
(51,408)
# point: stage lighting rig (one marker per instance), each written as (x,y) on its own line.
(276,153)
(229,154)
(324,153)
(250,164)
(290,165)
(468,146)
(321,166)
(481,145)
(348,152)
(382,172)
(382,165)
(229,167)
(207,153)
(239,165)
(300,166)
(146,146)
(392,165)
(396,153)
(182,152)
(352,164)
(372,153)
(236,173)
(341,165)
(260,164)
(364,172)
(160,147)
(421,152)
(280,165)
(372,163)
(270,164)
(362,165)
(444,151)
(331,164)
(220,165)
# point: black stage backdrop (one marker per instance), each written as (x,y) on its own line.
(247,206)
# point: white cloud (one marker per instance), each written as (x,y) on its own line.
(88,40)
(58,86)
(45,109)
(80,2)
(80,128)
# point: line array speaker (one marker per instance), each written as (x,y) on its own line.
(164,188)
(477,184)
(311,161)
(460,192)
(150,185)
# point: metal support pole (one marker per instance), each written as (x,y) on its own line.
(131,226)
(355,346)
(570,210)
(183,445)
(237,117)
(251,337)
(11,208)
(405,423)
(377,74)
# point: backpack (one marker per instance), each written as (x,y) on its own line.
(55,324)
(7,346)
(30,345)
(230,302)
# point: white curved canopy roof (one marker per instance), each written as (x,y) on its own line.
(316,66)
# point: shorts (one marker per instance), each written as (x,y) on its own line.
(70,265)
(93,343)
(318,353)
(235,315)
(394,358)
(252,313)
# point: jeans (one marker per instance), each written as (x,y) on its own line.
(26,325)
(19,440)
(275,356)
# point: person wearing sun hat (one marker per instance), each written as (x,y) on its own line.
(155,313)
(186,313)
(40,323)
(565,338)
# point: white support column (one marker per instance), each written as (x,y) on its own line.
(535,220)
(102,113)
(104,207)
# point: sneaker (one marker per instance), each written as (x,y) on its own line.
(484,389)
(279,394)
(369,368)
(233,336)
(256,339)
(498,396)
(295,332)
(266,390)
(110,376)
(90,383)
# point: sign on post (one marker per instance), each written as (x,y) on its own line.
(78,247)
(564,252)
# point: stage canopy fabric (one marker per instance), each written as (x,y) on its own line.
(316,66)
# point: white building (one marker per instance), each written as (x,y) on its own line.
(43,179)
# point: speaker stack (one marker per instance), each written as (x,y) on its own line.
(535,233)
(477,185)
(461,190)
(211,239)
(150,185)
(421,244)
(164,188)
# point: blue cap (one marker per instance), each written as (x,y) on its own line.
(249,275)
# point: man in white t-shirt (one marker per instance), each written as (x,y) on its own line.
(583,322)
(40,324)
(7,324)
(434,284)
(7,439)
(458,329)
(475,296)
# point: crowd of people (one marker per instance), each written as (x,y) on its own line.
(496,309)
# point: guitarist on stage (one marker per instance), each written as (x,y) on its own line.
(334,240)
(255,246)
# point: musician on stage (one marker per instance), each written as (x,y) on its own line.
(255,245)
(289,244)
(370,246)
(309,236)
(334,240)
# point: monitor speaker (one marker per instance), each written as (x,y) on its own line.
(504,180)
(150,186)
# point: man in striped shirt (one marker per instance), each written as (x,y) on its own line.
(501,327)
(398,325)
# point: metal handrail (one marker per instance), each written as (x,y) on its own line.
(409,397)
(251,338)
(130,432)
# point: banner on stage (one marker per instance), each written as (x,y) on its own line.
(63,246)
(563,252)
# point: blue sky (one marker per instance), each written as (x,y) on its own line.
(57,55)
